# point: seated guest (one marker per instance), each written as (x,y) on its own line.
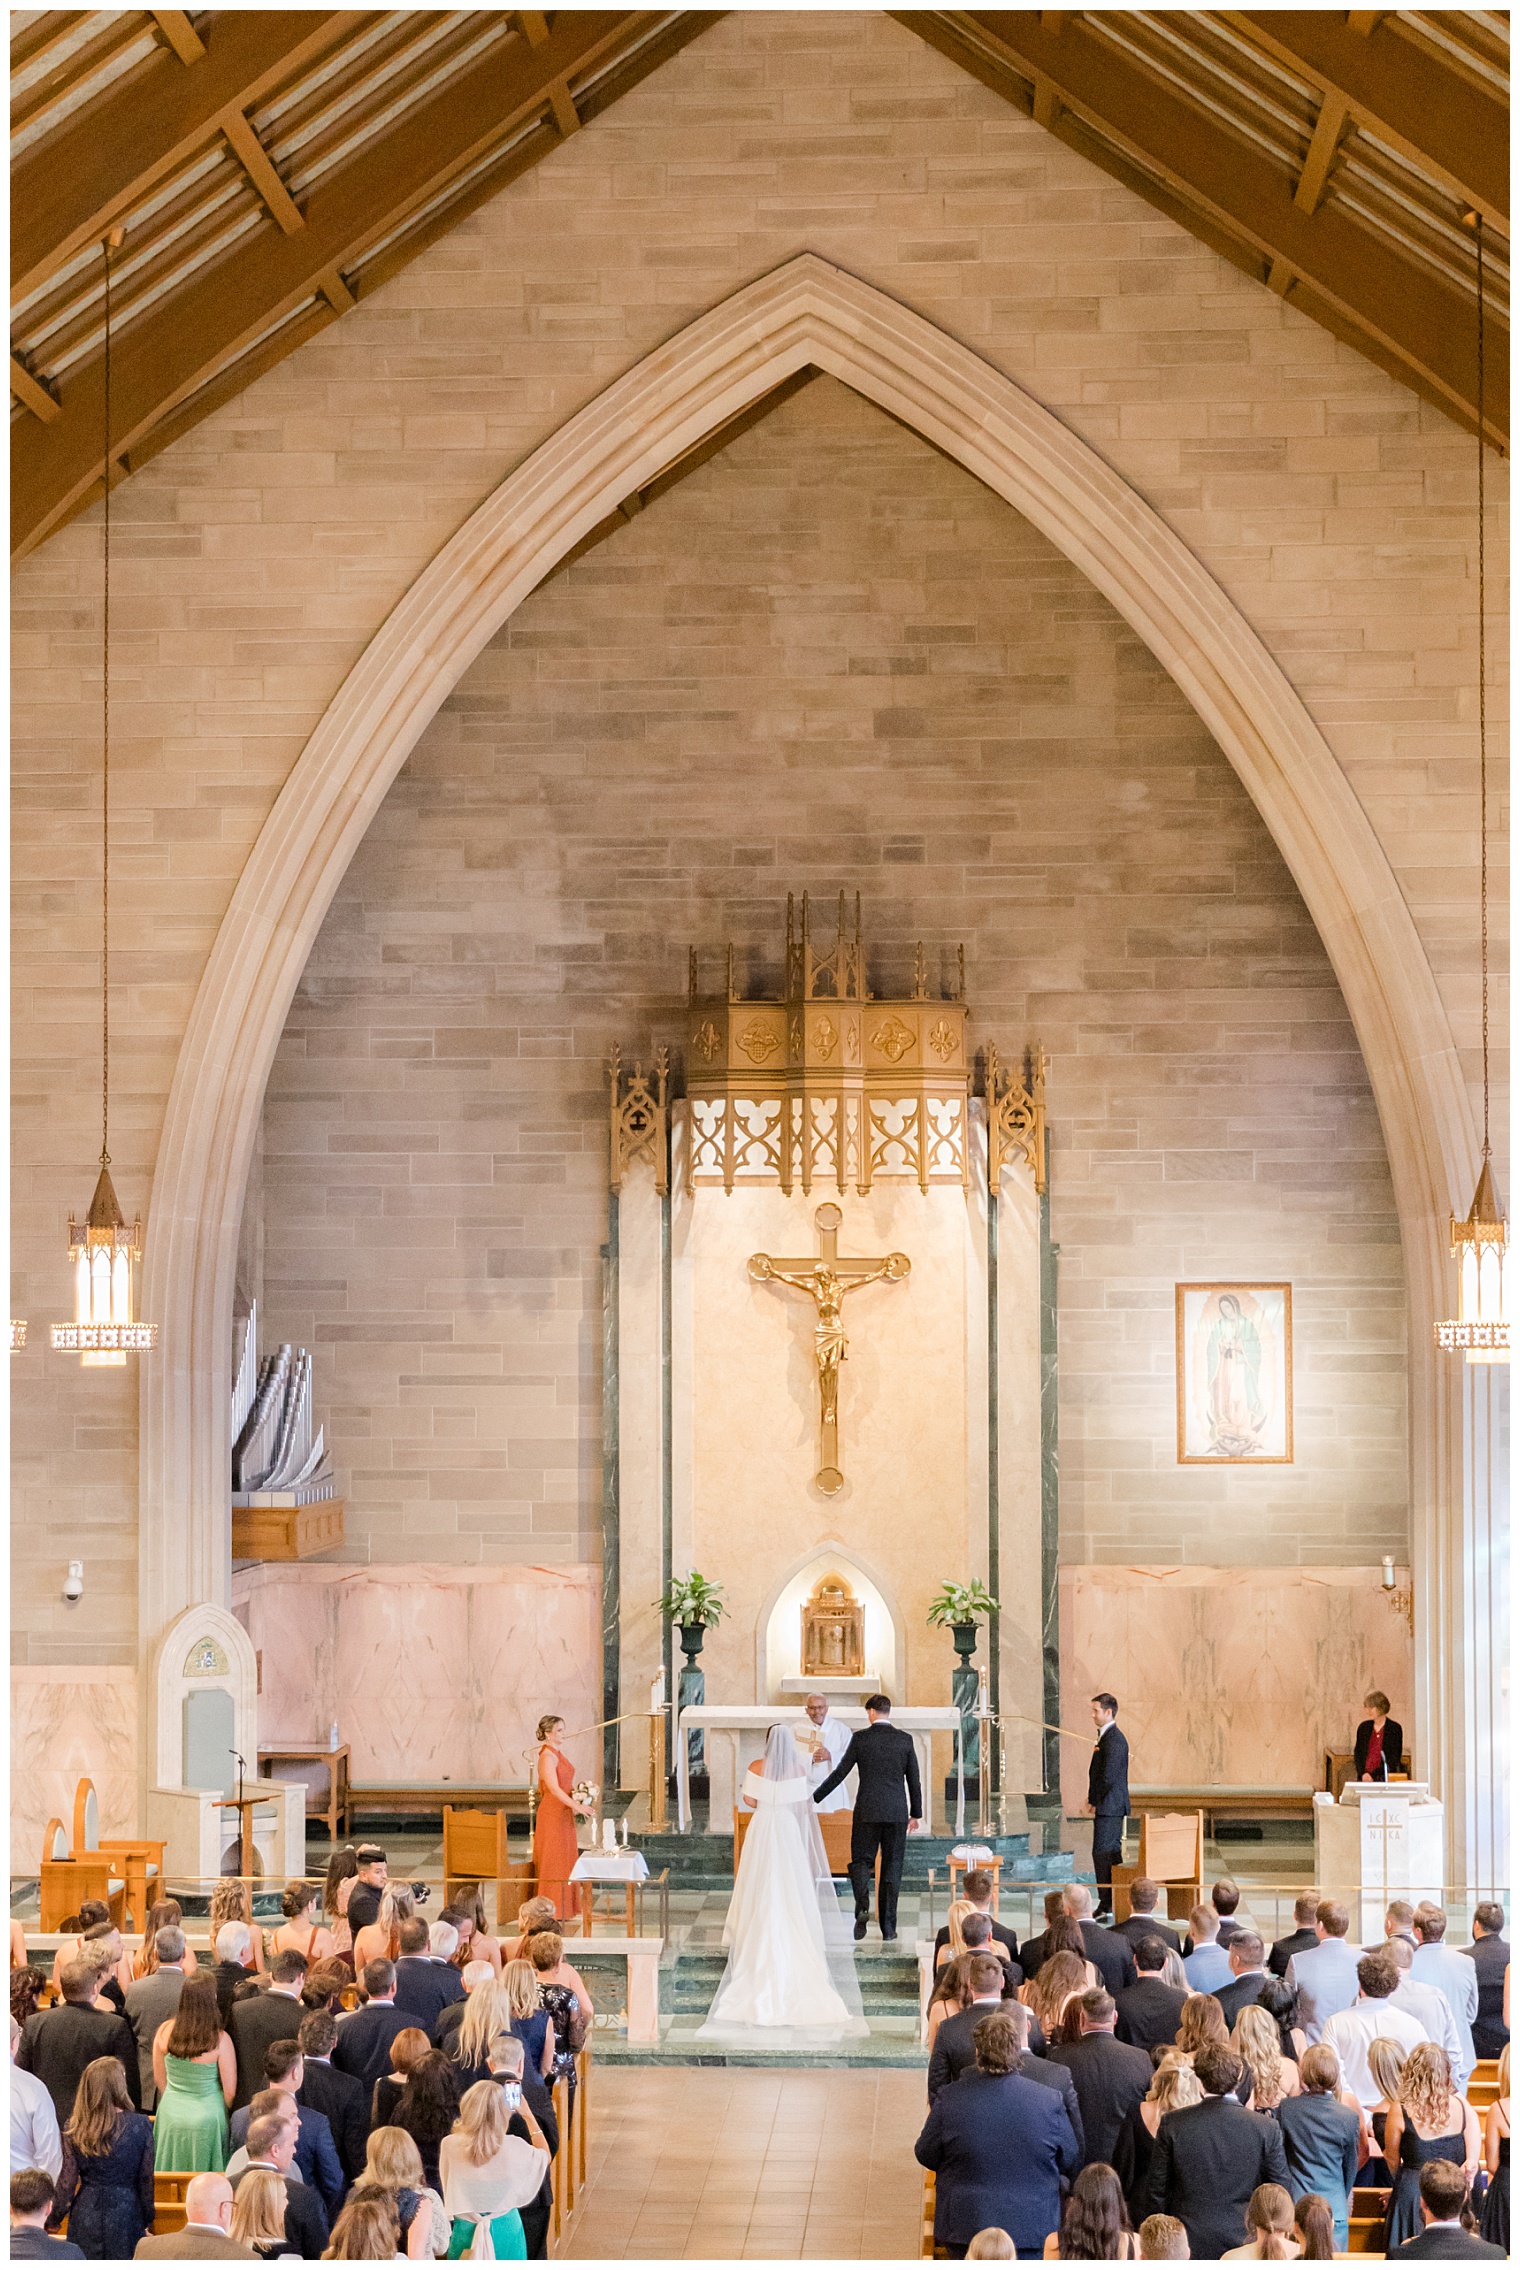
(1350,2033)
(260,2020)
(106,2188)
(569,2007)
(1033,1951)
(1324,1975)
(206,2234)
(1322,2139)
(977,1888)
(947,1995)
(1163,2239)
(231,1947)
(317,2160)
(977,1939)
(1206,1963)
(950,1942)
(394,2165)
(163,1915)
(472,1900)
(1316,2231)
(271,2144)
(35,2139)
(1280,2002)
(426,1980)
(1143,1922)
(1274,2233)
(1299,1940)
(478,1946)
(1108,1953)
(1436,1964)
(410,2044)
(1379,1741)
(1111,2080)
(1489,1956)
(532,2025)
(258,2216)
(1150,2011)
(26,1987)
(1000,2146)
(58,2044)
(1201,2025)
(954,2049)
(324,1987)
(464,2029)
(1173,2085)
(1248,1975)
(88,1915)
(368,2230)
(1445,2237)
(154,1997)
(342,1878)
(337,2095)
(31,2205)
(428,2108)
(537,1914)
(509,2071)
(1047,1995)
(103,1946)
(1427,2121)
(992,2246)
(363,2047)
(1210,2157)
(301,1930)
(231,1903)
(380,1941)
(489,2176)
(1224,1900)
(369,1880)
(1095,2225)
(1269,2076)
(1426,2003)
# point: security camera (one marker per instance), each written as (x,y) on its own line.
(73,1583)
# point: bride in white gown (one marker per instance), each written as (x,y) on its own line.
(790,1981)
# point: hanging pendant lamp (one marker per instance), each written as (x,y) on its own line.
(106,1329)
(1480,1244)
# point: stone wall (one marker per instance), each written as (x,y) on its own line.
(828,660)
(259,554)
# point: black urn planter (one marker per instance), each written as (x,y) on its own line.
(964,1638)
(692,1636)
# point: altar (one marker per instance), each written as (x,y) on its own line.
(735,1733)
(1380,1841)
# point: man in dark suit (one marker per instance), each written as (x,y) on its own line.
(1150,2011)
(271,2143)
(1299,1940)
(1000,2146)
(58,2044)
(1107,1797)
(1112,1958)
(32,2197)
(1110,2078)
(1250,1975)
(426,1983)
(976,1886)
(954,2051)
(1142,1921)
(1443,2195)
(363,2046)
(260,2020)
(369,1887)
(344,2100)
(1224,1899)
(231,1947)
(888,1803)
(1490,1953)
(317,2161)
(1210,2157)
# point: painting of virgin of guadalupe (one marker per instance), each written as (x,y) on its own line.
(1234,1375)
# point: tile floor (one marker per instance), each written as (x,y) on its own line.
(732,2165)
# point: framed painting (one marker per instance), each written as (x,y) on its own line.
(1234,1375)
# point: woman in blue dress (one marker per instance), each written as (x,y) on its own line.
(1495,2223)
(531,2023)
(106,2186)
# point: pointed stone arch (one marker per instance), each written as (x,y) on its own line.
(805,312)
(850,1562)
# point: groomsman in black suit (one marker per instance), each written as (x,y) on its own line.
(1107,1799)
(888,1803)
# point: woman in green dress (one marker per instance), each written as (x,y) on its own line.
(195,2073)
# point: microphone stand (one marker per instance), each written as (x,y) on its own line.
(243,1837)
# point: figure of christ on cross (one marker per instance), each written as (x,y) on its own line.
(826,1280)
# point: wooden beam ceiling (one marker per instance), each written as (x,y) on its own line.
(248,309)
(1266,214)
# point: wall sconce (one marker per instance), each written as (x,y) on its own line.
(1400,1596)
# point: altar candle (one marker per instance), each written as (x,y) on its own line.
(981,1690)
(657,1693)
(625,1832)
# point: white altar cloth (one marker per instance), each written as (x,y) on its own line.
(598,1867)
(727,1726)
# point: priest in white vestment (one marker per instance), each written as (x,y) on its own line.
(830,1738)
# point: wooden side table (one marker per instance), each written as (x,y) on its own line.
(339,1806)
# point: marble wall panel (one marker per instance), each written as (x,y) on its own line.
(427,1671)
(69,1720)
(1228,1675)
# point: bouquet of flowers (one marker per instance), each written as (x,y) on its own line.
(586,1793)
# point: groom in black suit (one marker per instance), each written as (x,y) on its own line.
(888,1802)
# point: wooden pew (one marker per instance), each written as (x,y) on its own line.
(1483,2084)
(169,2188)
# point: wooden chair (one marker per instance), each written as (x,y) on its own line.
(1171,1854)
(138,1860)
(66,1879)
(475,1851)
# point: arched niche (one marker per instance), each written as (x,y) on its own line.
(205,1682)
(778,1625)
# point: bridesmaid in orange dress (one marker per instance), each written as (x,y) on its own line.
(554,1844)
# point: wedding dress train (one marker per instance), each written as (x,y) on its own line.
(790,1981)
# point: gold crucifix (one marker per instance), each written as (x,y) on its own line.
(827,1279)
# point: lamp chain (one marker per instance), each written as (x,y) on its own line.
(1482,705)
(105,800)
